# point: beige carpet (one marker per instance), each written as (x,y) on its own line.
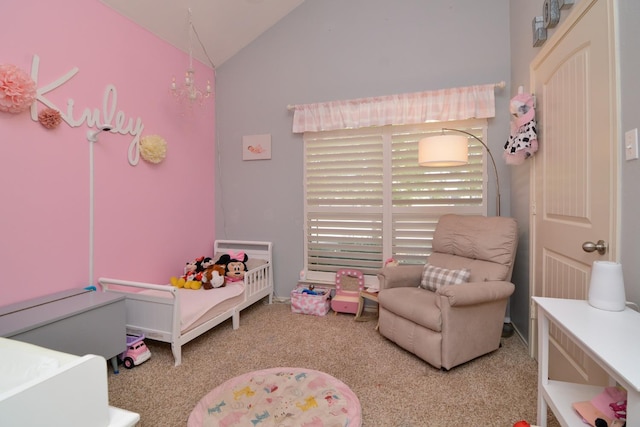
(395,388)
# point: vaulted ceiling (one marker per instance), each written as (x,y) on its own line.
(223,26)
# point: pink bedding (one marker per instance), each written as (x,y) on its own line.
(196,303)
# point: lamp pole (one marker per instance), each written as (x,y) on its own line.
(495,169)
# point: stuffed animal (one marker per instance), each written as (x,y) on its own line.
(181,282)
(213,276)
(390,262)
(235,265)
(193,274)
(205,263)
(523,139)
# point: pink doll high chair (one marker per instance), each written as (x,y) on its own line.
(349,283)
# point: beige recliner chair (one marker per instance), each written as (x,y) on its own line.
(456,322)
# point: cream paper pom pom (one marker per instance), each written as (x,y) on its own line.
(153,148)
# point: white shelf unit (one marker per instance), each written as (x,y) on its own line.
(611,339)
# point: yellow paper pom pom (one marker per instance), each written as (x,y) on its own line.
(153,148)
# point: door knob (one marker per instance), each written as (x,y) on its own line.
(600,246)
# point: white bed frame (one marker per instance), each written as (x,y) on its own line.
(159,318)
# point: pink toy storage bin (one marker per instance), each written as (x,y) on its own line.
(317,305)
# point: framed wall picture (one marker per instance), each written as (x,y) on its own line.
(256,147)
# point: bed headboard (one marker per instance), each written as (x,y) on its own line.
(258,250)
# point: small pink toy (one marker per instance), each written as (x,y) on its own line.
(136,352)
(391,262)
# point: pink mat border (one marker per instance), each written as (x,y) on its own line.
(196,416)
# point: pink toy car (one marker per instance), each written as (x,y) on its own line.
(136,352)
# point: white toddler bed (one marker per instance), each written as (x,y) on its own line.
(169,314)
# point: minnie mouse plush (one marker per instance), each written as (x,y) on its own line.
(235,265)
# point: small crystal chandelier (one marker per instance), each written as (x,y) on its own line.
(189,91)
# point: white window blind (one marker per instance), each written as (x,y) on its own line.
(367,199)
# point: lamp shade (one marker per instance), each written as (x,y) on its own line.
(443,150)
(606,288)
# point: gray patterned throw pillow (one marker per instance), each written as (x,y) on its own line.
(435,277)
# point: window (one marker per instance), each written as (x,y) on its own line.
(367,199)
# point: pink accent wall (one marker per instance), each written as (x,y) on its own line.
(149,219)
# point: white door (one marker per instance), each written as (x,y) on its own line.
(575,171)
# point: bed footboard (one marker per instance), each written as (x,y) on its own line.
(156,317)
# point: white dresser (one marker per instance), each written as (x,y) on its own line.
(612,339)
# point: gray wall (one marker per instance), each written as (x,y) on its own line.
(522,53)
(341,49)
(629,16)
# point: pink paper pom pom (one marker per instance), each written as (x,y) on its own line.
(49,118)
(17,89)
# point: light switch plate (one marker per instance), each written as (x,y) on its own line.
(631,144)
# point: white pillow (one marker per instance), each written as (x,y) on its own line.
(434,277)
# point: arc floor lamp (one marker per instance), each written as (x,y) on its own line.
(452,150)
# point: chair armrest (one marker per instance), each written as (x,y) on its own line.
(400,276)
(476,292)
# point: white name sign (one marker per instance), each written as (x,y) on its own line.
(93,118)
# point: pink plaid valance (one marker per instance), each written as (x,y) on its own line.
(410,108)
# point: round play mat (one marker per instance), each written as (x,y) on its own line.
(290,397)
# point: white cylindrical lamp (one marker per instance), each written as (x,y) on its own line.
(606,288)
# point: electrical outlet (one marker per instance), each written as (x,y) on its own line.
(631,144)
